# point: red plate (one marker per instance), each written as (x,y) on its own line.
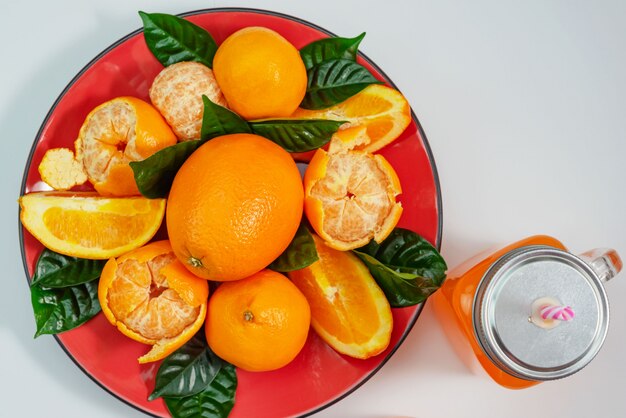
(319,376)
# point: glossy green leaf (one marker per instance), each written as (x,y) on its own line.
(172,39)
(188,370)
(218,121)
(406,267)
(297,135)
(299,254)
(155,174)
(58,310)
(215,401)
(334,81)
(58,270)
(330,48)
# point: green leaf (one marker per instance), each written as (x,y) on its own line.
(299,254)
(172,39)
(218,121)
(406,267)
(215,401)
(334,81)
(58,310)
(330,48)
(58,270)
(155,174)
(297,135)
(188,370)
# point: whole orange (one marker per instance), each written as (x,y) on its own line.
(259,323)
(260,73)
(234,206)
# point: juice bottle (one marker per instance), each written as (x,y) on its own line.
(528,312)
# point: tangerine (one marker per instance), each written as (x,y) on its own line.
(259,323)
(260,73)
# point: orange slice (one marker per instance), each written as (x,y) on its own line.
(83,224)
(152,298)
(348,309)
(350,196)
(115,133)
(381,110)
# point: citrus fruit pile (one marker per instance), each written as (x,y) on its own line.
(212,156)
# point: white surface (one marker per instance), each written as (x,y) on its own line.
(523,104)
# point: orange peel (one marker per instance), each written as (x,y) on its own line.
(151,298)
(350,196)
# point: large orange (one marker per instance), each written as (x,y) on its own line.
(260,73)
(348,309)
(350,196)
(150,297)
(234,206)
(259,323)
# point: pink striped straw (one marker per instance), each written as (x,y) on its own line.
(557,312)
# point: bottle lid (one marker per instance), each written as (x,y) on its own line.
(525,342)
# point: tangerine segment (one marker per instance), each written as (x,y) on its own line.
(234,206)
(258,323)
(381,110)
(350,197)
(115,133)
(177,92)
(348,309)
(83,224)
(60,170)
(138,296)
(260,73)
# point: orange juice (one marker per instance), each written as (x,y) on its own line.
(486,308)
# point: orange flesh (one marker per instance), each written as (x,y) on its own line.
(140,297)
(354,196)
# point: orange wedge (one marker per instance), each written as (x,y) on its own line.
(152,298)
(348,309)
(350,196)
(381,110)
(83,224)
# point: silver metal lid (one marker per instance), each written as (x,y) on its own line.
(503,308)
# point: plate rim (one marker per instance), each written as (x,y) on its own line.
(126,37)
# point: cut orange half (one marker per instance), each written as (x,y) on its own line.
(350,197)
(152,298)
(381,110)
(83,224)
(348,309)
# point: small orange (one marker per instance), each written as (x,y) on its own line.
(382,111)
(350,196)
(260,73)
(115,133)
(348,309)
(150,297)
(84,224)
(234,206)
(259,323)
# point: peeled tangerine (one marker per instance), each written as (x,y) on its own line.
(177,92)
(115,133)
(350,196)
(348,309)
(152,298)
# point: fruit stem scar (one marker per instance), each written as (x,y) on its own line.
(195,262)
(248,316)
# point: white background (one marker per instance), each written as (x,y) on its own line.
(523,103)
